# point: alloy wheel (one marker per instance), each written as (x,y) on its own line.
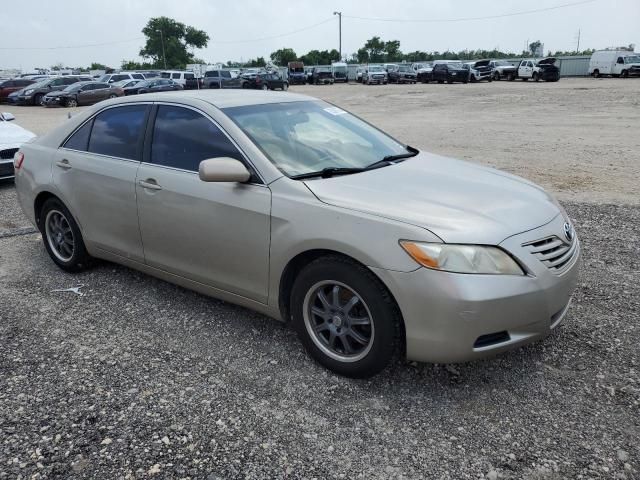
(338,321)
(59,235)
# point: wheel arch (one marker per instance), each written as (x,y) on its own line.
(298,262)
(39,202)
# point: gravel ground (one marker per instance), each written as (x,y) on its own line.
(139,378)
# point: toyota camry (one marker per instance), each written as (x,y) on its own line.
(298,209)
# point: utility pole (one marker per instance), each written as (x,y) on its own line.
(339,32)
(164,57)
(578,47)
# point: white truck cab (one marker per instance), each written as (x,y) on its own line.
(617,63)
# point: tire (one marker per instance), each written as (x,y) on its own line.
(512,77)
(72,102)
(65,231)
(285,87)
(449,82)
(265,87)
(112,96)
(376,334)
(525,79)
(440,82)
(37,100)
(596,73)
(496,76)
(535,77)
(624,74)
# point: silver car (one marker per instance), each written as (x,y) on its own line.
(300,210)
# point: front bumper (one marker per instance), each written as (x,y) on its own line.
(456,317)
(24,100)
(48,101)
(6,169)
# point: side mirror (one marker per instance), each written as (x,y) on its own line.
(7,117)
(223,169)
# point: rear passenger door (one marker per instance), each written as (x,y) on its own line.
(95,172)
(214,233)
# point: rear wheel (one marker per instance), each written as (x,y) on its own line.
(285,86)
(496,76)
(624,74)
(265,87)
(37,100)
(344,317)
(535,77)
(62,238)
(596,73)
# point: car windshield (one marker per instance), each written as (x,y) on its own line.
(503,63)
(73,87)
(376,69)
(632,59)
(309,136)
(104,78)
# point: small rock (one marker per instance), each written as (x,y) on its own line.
(511,456)
(154,470)
(330,449)
(106,441)
(623,456)
(166,440)
(492,475)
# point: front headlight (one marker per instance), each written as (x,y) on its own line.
(28,92)
(462,258)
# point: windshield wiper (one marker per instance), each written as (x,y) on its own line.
(331,171)
(328,172)
(401,156)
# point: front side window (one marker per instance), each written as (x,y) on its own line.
(165,75)
(308,136)
(175,75)
(182,138)
(117,132)
(138,76)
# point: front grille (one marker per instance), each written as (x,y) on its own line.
(8,154)
(555,253)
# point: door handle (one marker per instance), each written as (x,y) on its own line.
(64,164)
(150,184)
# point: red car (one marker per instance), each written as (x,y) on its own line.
(12,85)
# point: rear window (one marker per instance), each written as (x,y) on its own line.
(175,75)
(80,139)
(117,132)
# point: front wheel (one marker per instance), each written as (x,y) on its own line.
(112,96)
(72,102)
(37,100)
(624,74)
(265,87)
(535,77)
(496,76)
(62,238)
(345,317)
(285,86)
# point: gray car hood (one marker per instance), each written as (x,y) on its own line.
(458,201)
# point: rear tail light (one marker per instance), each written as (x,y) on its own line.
(18,158)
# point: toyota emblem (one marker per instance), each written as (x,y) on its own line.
(568,231)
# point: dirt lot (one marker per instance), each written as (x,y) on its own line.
(579,138)
(139,378)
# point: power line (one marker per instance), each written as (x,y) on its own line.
(330,19)
(74,46)
(467,19)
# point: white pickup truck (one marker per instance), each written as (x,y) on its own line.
(537,70)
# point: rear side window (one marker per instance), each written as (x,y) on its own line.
(80,139)
(175,75)
(189,76)
(182,138)
(138,76)
(117,132)
(225,74)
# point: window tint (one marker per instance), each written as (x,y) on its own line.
(210,74)
(175,75)
(80,139)
(226,74)
(57,82)
(189,76)
(183,138)
(138,76)
(116,131)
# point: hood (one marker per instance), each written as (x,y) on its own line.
(458,201)
(12,135)
(482,63)
(547,61)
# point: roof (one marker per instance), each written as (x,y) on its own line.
(220,98)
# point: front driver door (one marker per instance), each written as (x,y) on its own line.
(213,233)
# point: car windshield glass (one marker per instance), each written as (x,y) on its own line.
(632,59)
(405,69)
(73,87)
(375,69)
(503,63)
(308,136)
(457,66)
(104,78)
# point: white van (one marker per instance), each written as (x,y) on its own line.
(617,63)
(178,76)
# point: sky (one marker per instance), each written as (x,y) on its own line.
(243,29)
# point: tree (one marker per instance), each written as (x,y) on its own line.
(320,57)
(392,51)
(375,49)
(258,62)
(535,46)
(98,66)
(283,56)
(176,38)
